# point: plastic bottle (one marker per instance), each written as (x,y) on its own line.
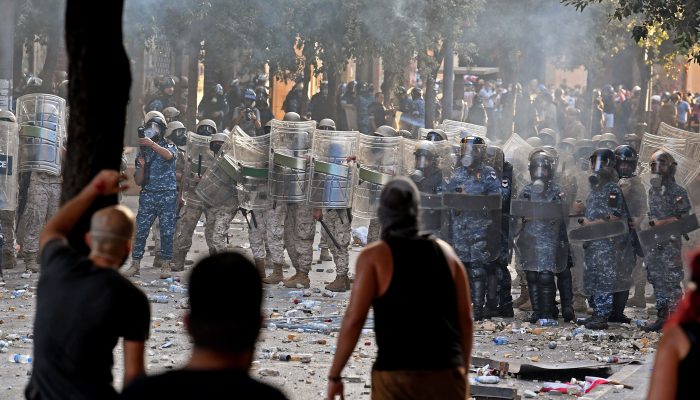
(296,293)
(18,293)
(177,289)
(639,322)
(21,359)
(547,322)
(488,379)
(158,299)
(608,359)
(500,340)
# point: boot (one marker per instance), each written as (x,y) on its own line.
(157,262)
(523,298)
(276,276)
(580,305)
(299,278)
(9,260)
(325,255)
(340,284)
(548,293)
(638,300)
(505,298)
(596,322)
(565,285)
(260,266)
(534,292)
(477,274)
(166,269)
(30,263)
(618,308)
(662,314)
(134,269)
(178,262)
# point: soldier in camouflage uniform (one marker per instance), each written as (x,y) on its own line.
(7,217)
(155,173)
(374,228)
(603,257)
(469,230)
(668,202)
(636,200)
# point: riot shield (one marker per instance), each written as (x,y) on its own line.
(9,142)
(516,151)
(456,129)
(427,163)
(332,169)
(251,156)
(290,147)
(656,236)
(198,157)
(379,160)
(218,184)
(472,225)
(598,231)
(430,214)
(540,237)
(41,118)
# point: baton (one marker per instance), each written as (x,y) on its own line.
(330,235)
(245,215)
(252,216)
(199,166)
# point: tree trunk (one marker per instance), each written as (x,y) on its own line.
(7,38)
(448,80)
(388,84)
(430,88)
(47,70)
(94,34)
(332,75)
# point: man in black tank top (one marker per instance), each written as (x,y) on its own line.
(388,274)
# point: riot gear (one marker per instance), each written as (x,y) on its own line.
(326,124)
(206,127)
(385,131)
(9,143)
(608,141)
(534,141)
(292,117)
(332,175)
(634,140)
(542,169)
(602,163)
(42,132)
(167,82)
(626,161)
(584,148)
(663,168)
(176,133)
(7,116)
(290,145)
(171,114)
(548,137)
(472,151)
(436,135)
(567,146)
(217,140)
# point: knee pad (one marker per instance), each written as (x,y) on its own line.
(477,273)
(546,278)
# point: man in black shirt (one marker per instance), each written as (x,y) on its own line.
(224,326)
(378,113)
(84,305)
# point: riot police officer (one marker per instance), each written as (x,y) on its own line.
(374,229)
(668,202)
(164,98)
(470,230)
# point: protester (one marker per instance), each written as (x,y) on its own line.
(678,354)
(390,274)
(224,341)
(84,306)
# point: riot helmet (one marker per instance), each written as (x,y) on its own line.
(534,141)
(249,98)
(292,117)
(424,158)
(634,140)
(494,158)
(206,127)
(171,114)
(582,152)
(602,163)
(385,131)
(167,85)
(548,136)
(436,135)
(407,134)
(7,116)
(625,161)
(155,126)
(542,168)
(217,140)
(176,133)
(663,168)
(472,151)
(33,85)
(326,124)
(596,140)
(608,141)
(567,146)
(267,128)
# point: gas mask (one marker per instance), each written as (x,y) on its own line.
(151,131)
(178,137)
(215,146)
(417,176)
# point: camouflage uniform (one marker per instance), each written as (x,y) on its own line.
(374,230)
(300,228)
(216,231)
(7,222)
(158,199)
(468,230)
(636,200)
(603,257)
(270,231)
(339,223)
(43,200)
(664,262)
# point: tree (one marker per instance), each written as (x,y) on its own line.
(93,33)
(680,18)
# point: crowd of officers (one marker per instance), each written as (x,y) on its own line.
(494,213)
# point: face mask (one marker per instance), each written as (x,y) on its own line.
(594,179)
(215,146)
(656,181)
(538,186)
(467,160)
(152,132)
(417,176)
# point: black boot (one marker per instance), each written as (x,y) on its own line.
(491,309)
(477,275)
(662,314)
(565,285)
(618,310)
(505,298)
(596,322)
(534,289)
(547,294)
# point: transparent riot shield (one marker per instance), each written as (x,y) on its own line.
(198,157)
(9,143)
(290,147)
(516,151)
(379,160)
(251,156)
(472,225)
(540,232)
(218,185)
(456,129)
(41,118)
(427,163)
(333,169)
